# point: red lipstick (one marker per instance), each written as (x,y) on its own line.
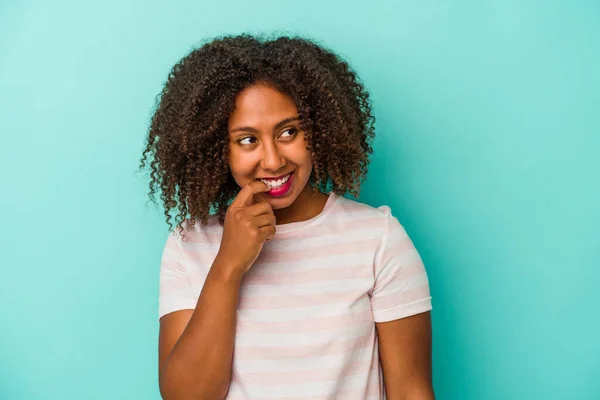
(283,190)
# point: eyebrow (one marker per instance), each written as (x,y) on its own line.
(254,130)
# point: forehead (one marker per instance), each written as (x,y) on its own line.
(261,105)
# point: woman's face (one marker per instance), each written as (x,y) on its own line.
(266,143)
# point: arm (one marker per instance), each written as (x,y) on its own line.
(405,352)
(196,346)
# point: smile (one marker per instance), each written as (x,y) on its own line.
(277,183)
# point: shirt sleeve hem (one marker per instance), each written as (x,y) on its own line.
(403,311)
(169,308)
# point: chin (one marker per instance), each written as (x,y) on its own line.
(277,203)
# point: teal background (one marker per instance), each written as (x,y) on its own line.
(488,121)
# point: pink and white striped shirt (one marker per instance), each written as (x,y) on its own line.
(308,306)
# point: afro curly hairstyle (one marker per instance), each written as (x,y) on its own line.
(187,146)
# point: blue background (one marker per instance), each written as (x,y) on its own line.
(488,122)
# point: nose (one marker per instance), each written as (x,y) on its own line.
(272,159)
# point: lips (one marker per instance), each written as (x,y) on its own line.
(282,189)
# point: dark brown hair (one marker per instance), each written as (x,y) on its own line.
(187,145)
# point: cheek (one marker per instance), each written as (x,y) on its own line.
(307,152)
(310,160)
(237,163)
(241,166)
(302,154)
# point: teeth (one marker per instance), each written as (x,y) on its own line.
(276,184)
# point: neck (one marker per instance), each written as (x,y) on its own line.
(309,203)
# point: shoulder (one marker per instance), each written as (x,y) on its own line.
(354,209)
(349,215)
(193,231)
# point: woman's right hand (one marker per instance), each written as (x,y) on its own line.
(248,225)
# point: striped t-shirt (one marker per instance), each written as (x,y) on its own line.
(308,306)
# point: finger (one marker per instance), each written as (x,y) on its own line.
(267,233)
(264,220)
(246,196)
(259,208)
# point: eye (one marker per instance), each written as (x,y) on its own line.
(290,132)
(248,140)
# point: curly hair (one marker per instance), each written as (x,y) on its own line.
(187,146)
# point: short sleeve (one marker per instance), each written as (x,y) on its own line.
(401,286)
(175,289)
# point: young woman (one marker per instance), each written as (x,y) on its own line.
(273,285)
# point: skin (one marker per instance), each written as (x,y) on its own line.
(261,146)
(405,353)
(191,339)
